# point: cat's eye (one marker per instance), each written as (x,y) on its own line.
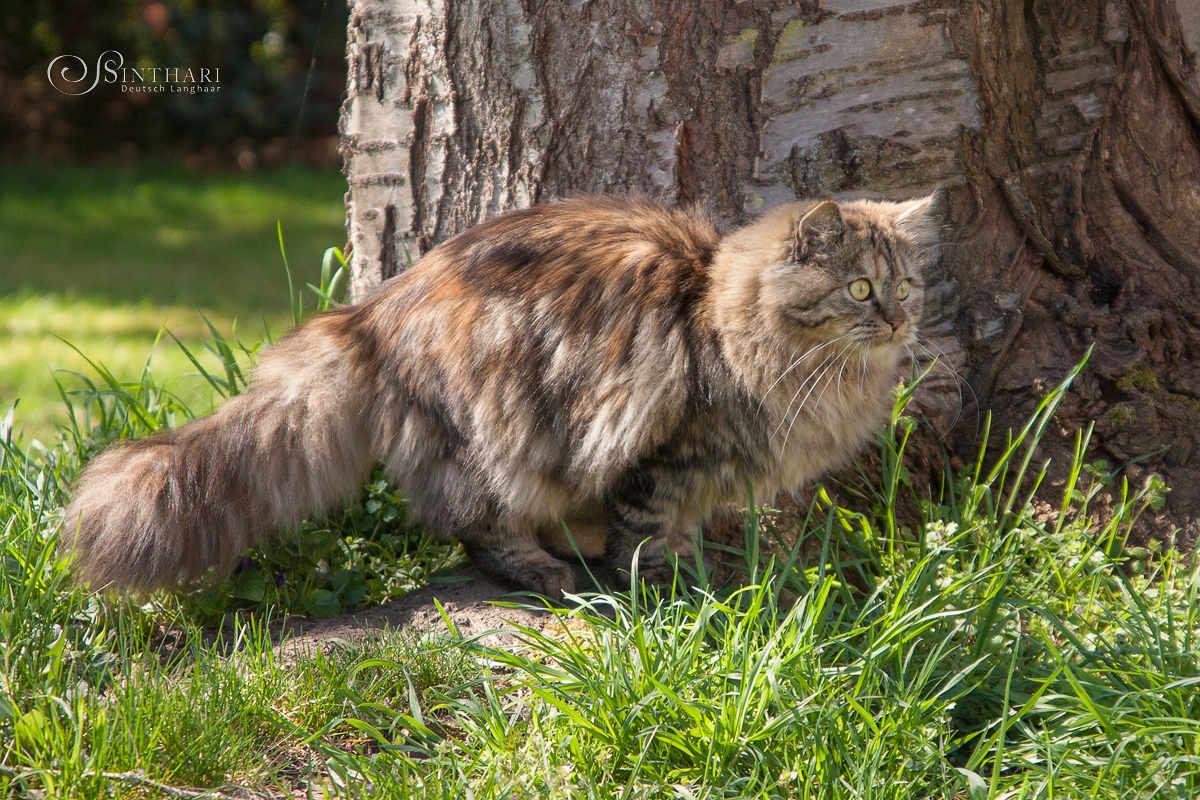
(860,289)
(903,289)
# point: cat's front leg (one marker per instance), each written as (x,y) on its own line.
(511,552)
(643,513)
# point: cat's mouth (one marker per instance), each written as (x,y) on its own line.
(885,338)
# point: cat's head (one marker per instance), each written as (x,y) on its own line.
(827,271)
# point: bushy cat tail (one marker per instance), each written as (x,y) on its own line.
(168,508)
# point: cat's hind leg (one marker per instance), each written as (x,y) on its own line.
(511,552)
(427,458)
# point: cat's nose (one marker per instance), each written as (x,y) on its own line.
(894,315)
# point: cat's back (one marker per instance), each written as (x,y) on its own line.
(566,330)
(586,256)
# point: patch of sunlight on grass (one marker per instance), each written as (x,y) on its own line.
(157,232)
(102,256)
(119,335)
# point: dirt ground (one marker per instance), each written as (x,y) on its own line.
(477,606)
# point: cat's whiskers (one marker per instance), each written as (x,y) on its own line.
(929,348)
(941,358)
(862,384)
(793,365)
(814,375)
(793,362)
(800,409)
(837,379)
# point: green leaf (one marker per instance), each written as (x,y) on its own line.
(324,604)
(249,585)
(340,579)
(354,595)
(30,729)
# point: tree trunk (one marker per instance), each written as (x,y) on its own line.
(1065,133)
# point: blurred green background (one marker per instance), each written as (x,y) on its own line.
(282,76)
(104,256)
(121,213)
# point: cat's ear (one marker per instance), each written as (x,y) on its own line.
(822,223)
(917,219)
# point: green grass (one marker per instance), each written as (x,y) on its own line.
(158,233)
(989,652)
(104,256)
(35,330)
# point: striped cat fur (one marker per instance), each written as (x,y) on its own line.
(606,364)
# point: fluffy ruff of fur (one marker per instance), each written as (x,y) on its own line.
(606,365)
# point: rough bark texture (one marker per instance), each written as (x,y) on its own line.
(1065,134)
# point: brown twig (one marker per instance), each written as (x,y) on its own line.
(137,778)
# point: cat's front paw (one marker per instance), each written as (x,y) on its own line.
(651,570)
(553,582)
(523,565)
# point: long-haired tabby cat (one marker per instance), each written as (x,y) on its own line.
(604,364)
